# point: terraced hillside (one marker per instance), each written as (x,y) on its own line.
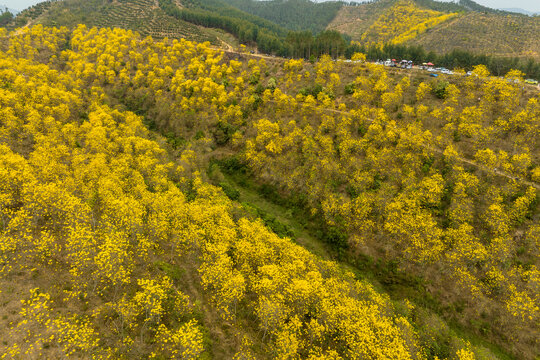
(487,32)
(143,16)
(403,21)
(387,21)
(503,35)
(355,20)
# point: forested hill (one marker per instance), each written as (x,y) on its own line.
(142,16)
(161,199)
(295,15)
(442,27)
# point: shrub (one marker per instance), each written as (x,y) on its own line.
(349,89)
(271,84)
(439,89)
(230,191)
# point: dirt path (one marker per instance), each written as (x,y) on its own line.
(230,50)
(219,330)
(229,47)
(21,29)
(263,56)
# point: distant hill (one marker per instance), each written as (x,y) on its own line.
(295,15)
(403,21)
(509,35)
(473,27)
(6,15)
(4,8)
(473,6)
(384,20)
(521,11)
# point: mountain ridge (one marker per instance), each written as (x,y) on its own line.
(521,11)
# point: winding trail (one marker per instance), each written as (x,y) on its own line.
(229,47)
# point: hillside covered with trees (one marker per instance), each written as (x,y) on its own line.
(142,16)
(297,15)
(442,27)
(164,199)
(450,34)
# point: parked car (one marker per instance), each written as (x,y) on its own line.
(531,82)
(433,75)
